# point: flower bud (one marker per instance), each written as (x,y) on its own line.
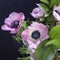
(37,13)
(56,12)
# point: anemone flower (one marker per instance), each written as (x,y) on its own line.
(13,22)
(56,13)
(38,12)
(35,34)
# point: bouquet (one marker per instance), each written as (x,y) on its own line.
(41,38)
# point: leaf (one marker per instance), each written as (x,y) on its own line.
(58,2)
(58,53)
(45,1)
(23,50)
(54,42)
(55,32)
(53,2)
(40,50)
(49,21)
(49,53)
(26,58)
(45,7)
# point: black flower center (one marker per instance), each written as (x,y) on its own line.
(15,24)
(35,35)
(57,12)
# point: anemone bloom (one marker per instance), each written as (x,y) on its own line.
(35,33)
(38,12)
(13,22)
(56,12)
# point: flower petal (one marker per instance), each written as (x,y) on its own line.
(56,12)
(22,17)
(24,34)
(13,31)
(6,28)
(7,21)
(37,12)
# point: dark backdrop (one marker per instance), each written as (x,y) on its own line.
(8,46)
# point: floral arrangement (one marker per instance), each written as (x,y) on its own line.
(41,37)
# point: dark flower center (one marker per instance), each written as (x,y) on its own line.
(57,12)
(15,24)
(35,35)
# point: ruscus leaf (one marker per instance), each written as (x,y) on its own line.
(54,42)
(40,50)
(55,32)
(49,53)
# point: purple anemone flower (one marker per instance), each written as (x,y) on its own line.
(38,12)
(56,13)
(13,22)
(35,34)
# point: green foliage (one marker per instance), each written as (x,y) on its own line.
(49,53)
(24,50)
(54,42)
(49,21)
(44,52)
(58,1)
(58,54)
(53,2)
(45,1)
(24,58)
(45,7)
(40,50)
(55,32)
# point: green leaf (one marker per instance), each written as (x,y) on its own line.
(49,53)
(45,1)
(49,21)
(54,42)
(40,50)
(45,7)
(26,58)
(23,50)
(58,53)
(58,2)
(55,32)
(53,2)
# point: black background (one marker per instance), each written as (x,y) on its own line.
(8,46)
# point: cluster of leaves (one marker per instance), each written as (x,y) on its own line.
(25,52)
(47,49)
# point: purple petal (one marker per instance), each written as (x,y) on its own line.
(56,12)
(6,28)
(22,17)
(37,12)
(24,34)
